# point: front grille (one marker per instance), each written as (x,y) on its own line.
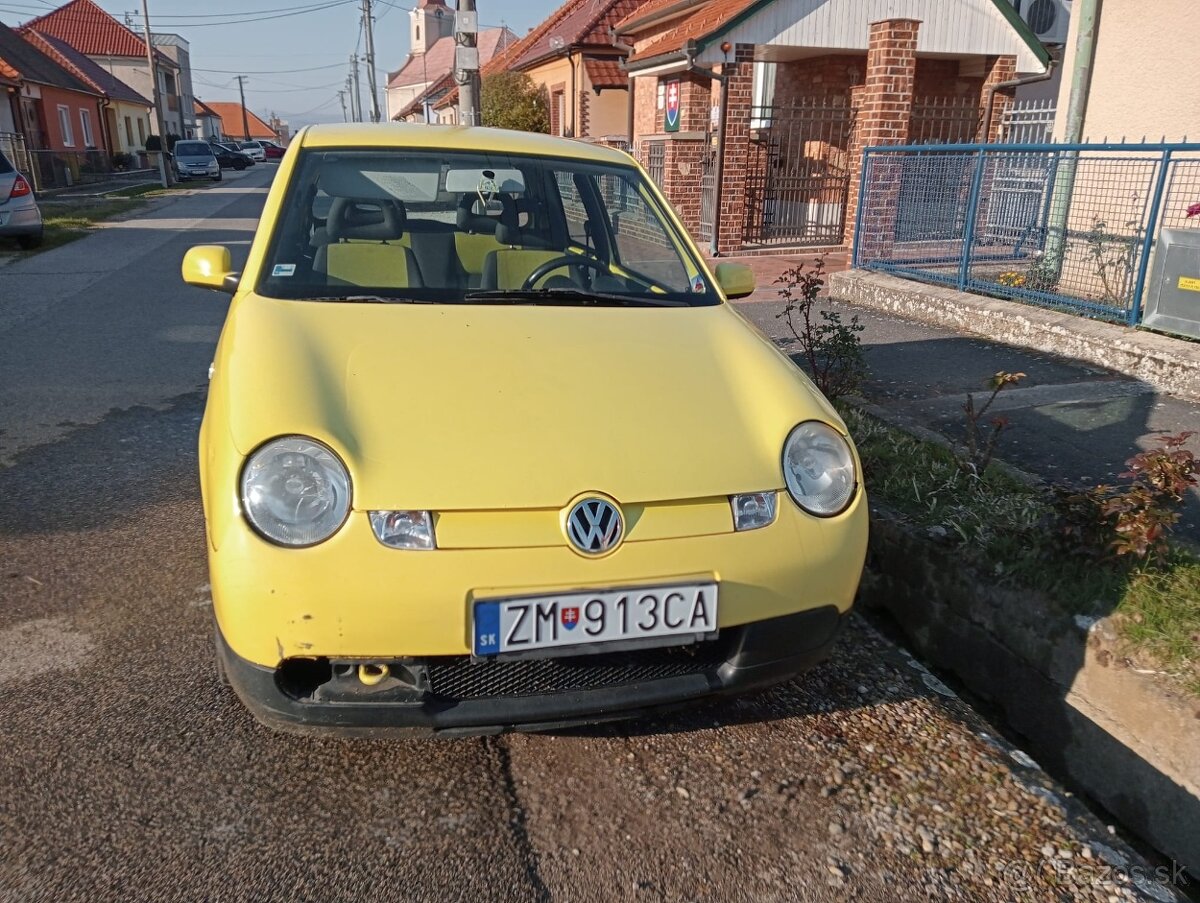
(461,678)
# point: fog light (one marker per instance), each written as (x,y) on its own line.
(404,529)
(752,510)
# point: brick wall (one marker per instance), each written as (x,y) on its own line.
(999,69)
(884,109)
(731,196)
(822,76)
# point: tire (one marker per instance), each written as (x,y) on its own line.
(218,177)
(29,242)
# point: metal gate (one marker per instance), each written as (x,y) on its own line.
(708,191)
(798,173)
(12,145)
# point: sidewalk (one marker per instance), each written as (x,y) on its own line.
(1070,420)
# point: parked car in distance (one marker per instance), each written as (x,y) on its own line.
(230,157)
(272,149)
(196,160)
(20,217)
(254,150)
(486,447)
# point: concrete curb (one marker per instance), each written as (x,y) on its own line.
(1062,682)
(1170,365)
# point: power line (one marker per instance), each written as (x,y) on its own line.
(314,9)
(267,71)
(324,4)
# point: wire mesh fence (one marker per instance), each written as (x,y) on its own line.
(1068,226)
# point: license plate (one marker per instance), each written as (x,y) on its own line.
(680,613)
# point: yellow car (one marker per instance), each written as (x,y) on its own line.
(486,448)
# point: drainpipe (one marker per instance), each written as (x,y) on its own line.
(1004,86)
(574,98)
(626,49)
(1088,12)
(719,171)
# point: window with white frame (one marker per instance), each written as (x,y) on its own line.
(764,95)
(85,127)
(64,124)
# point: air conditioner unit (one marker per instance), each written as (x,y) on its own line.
(1048,19)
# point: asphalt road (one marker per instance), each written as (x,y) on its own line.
(127,773)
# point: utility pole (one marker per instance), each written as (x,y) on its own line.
(342,98)
(156,97)
(356,96)
(241,79)
(369,27)
(466,61)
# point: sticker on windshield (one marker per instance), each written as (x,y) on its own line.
(283,269)
(698,286)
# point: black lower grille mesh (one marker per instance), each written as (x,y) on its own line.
(461,678)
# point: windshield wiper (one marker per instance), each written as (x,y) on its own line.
(559,295)
(373,299)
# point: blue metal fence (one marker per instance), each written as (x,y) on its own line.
(1071,226)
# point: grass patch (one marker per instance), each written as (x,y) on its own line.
(1006,529)
(65,220)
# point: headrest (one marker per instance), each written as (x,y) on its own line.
(470,221)
(508,231)
(365,220)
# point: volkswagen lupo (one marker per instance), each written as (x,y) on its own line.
(487,448)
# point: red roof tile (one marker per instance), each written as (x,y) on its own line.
(433,93)
(605,73)
(231,120)
(576,22)
(7,71)
(89,29)
(650,8)
(701,23)
(84,67)
(497,63)
(439,58)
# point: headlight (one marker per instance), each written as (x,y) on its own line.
(818,468)
(295,491)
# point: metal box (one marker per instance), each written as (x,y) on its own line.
(1173,292)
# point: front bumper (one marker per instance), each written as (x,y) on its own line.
(743,658)
(24,220)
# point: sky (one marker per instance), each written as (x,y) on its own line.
(295,54)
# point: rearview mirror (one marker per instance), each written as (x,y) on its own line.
(735,279)
(210,266)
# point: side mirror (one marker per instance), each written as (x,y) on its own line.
(735,279)
(210,266)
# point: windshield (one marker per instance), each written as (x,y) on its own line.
(447,227)
(250,145)
(192,149)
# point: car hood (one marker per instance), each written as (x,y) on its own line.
(444,406)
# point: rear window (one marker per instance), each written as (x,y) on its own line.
(192,149)
(251,144)
(5,166)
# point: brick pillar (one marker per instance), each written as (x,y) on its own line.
(999,69)
(883,110)
(683,155)
(731,193)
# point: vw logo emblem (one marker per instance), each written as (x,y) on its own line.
(594,526)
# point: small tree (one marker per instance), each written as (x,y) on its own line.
(510,100)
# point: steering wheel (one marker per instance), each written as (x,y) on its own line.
(566,260)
